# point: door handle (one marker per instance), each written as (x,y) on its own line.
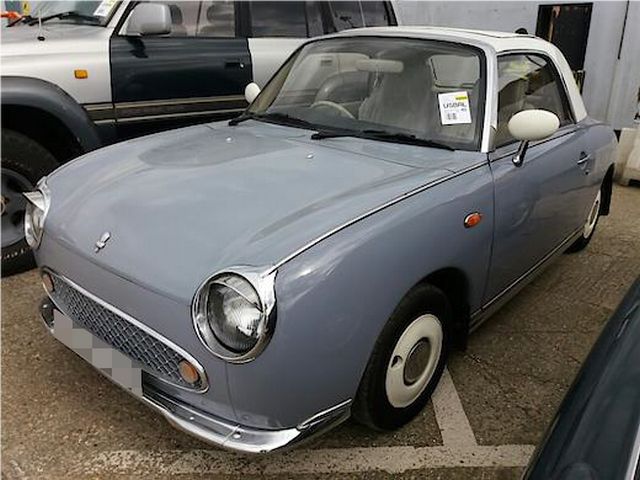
(234,64)
(582,162)
(584,158)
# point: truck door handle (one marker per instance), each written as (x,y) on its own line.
(234,64)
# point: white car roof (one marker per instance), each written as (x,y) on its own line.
(499,42)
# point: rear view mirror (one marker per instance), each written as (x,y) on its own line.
(149,19)
(529,126)
(532,125)
(251,91)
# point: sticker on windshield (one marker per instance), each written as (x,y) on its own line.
(454,108)
(104,8)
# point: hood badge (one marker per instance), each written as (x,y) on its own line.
(104,238)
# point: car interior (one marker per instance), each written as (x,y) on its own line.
(396,89)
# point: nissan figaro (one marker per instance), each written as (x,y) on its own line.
(259,281)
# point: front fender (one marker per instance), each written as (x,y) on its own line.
(45,96)
(334,299)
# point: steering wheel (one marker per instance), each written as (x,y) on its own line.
(341,110)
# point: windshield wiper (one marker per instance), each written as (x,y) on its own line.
(275,117)
(241,118)
(382,135)
(63,15)
(25,18)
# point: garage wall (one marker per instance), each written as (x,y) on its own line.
(608,93)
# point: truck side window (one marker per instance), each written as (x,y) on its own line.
(314,19)
(278,19)
(184,17)
(528,81)
(346,15)
(217,19)
(376,14)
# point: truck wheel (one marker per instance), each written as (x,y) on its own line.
(407,361)
(24,162)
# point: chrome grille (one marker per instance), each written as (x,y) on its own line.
(154,356)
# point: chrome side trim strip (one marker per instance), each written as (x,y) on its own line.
(141,326)
(178,115)
(487,309)
(373,211)
(323,415)
(180,101)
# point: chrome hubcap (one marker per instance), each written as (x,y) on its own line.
(414,360)
(417,362)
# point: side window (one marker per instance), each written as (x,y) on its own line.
(376,14)
(278,19)
(184,18)
(217,19)
(346,15)
(528,81)
(314,19)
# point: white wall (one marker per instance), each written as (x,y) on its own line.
(623,101)
(609,90)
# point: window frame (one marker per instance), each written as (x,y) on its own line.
(483,127)
(564,129)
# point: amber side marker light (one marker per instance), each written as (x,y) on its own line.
(81,74)
(47,282)
(472,219)
(188,372)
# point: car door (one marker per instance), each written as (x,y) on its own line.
(541,203)
(194,74)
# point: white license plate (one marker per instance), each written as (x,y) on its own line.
(112,363)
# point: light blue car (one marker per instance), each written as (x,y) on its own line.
(259,281)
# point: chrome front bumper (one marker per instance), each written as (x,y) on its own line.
(222,433)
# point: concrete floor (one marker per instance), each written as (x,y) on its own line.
(61,419)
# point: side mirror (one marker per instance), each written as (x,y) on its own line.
(529,126)
(149,19)
(251,91)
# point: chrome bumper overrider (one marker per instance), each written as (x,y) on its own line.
(223,433)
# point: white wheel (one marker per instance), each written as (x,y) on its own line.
(592,219)
(414,360)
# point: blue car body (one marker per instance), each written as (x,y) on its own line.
(346,225)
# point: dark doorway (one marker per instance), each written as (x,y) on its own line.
(567,27)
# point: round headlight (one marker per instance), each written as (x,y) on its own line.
(231,318)
(35,214)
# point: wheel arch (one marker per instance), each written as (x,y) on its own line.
(607,191)
(455,284)
(48,115)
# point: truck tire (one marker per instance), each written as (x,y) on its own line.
(24,162)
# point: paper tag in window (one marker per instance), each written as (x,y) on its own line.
(454,108)
(104,8)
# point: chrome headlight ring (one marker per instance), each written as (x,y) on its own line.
(38,202)
(234,313)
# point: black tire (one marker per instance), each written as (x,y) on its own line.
(372,406)
(26,159)
(582,241)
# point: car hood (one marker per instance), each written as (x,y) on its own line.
(64,39)
(185,204)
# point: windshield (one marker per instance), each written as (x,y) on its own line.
(89,13)
(429,90)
